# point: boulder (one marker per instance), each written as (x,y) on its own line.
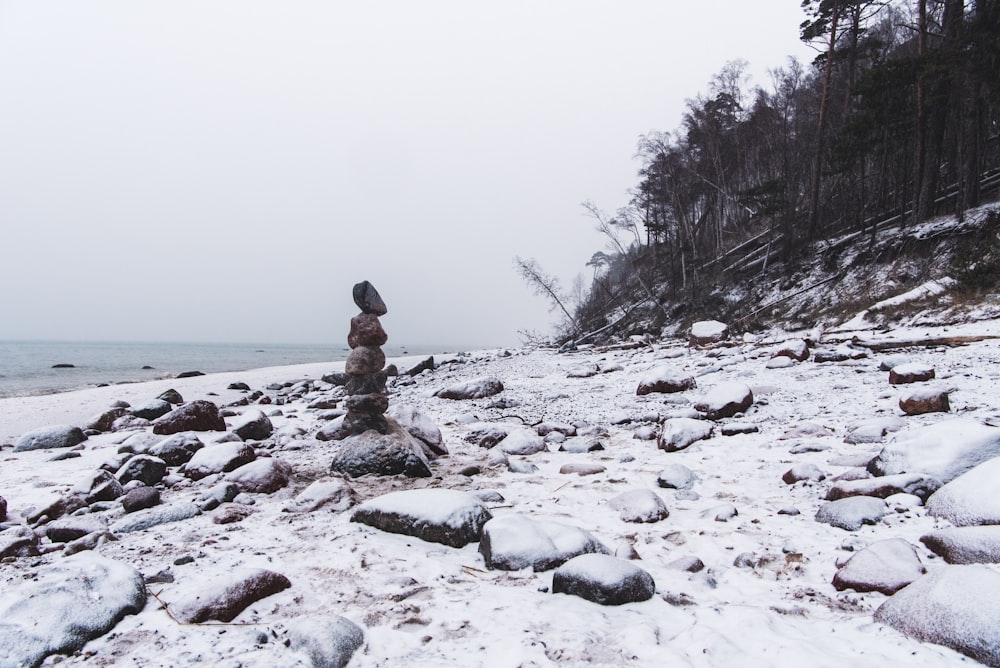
(676,476)
(328,641)
(583,370)
(725,400)
(106,420)
(367,298)
(706,332)
(146,469)
(152,517)
(253,426)
(70,528)
(198,415)
(265,475)
(371,452)
(226,595)
(796,349)
(421,427)
(334,494)
(582,468)
(883,487)
(925,401)
(603,579)
(365,360)
(442,516)
(640,505)
(944,450)
(513,542)
(418,368)
(488,434)
(522,441)
(965,545)
(476,388)
(140,498)
(172,396)
(100,485)
(910,373)
(665,380)
(19,541)
(679,433)
(971,498)
(872,430)
(954,606)
(55,436)
(218,458)
(801,472)
(178,449)
(851,513)
(885,566)
(65,605)
(152,409)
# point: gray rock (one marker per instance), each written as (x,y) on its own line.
(334,494)
(172,396)
(152,409)
(955,606)
(883,487)
(329,642)
(853,512)
(100,485)
(640,505)
(965,545)
(676,476)
(55,436)
(522,441)
(885,566)
(368,299)
(371,452)
(265,475)
(513,542)
(106,420)
(64,606)
(488,434)
(680,433)
(147,469)
(218,458)
(421,427)
(70,528)
(195,416)
(178,449)
(146,519)
(224,492)
(581,444)
(476,388)
(944,450)
(19,541)
(442,516)
(801,472)
(140,498)
(227,595)
(603,579)
(253,426)
(971,498)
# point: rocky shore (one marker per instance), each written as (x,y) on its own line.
(790,499)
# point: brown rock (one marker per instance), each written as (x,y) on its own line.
(365,360)
(910,373)
(366,330)
(368,403)
(919,403)
(225,598)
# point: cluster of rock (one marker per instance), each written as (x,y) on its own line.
(367,400)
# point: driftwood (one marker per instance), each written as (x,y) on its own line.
(950,341)
(786,298)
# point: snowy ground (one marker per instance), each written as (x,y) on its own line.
(424,604)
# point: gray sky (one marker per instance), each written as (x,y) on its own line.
(227,170)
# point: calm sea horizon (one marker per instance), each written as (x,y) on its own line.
(46,367)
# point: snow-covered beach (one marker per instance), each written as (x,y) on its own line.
(743,571)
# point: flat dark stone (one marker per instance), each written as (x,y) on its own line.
(368,299)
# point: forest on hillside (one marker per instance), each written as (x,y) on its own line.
(898,117)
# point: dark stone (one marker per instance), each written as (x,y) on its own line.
(373,383)
(368,299)
(231,513)
(224,598)
(218,458)
(371,452)
(63,366)
(420,367)
(172,396)
(603,579)
(477,388)
(56,436)
(822,356)
(264,475)
(337,378)
(198,415)
(366,330)
(17,542)
(445,516)
(910,373)
(920,403)
(512,542)
(883,487)
(190,374)
(365,360)
(140,498)
(239,386)
(358,423)
(367,403)
(152,410)
(177,449)
(70,528)
(254,426)
(3,509)
(103,486)
(146,469)
(105,420)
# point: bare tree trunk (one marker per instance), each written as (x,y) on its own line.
(821,125)
(920,123)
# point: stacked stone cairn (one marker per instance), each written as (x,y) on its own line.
(367,401)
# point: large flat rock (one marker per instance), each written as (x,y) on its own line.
(442,516)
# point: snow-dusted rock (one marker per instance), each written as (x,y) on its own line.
(971,498)
(328,641)
(801,472)
(965,545)
(54,436)
(265,475)
(253,425)
(65,605)
(99,485)
(853,512)
(177,450)
(679,433)
(513,542)
(488,434)
(218,458)
(917,484)
(582,468)
(476,388)
(151,409)
(603,579)
(665,379)
(885,566)
(545,428)
(640,505)
(105,420)
(444,516)
(421,427)
(370,452)
(140,498)
(18,541)
(147,469)
(705,332)
(913,372)
(70,528)
(583,370)
(925,400)
(334,494)
(725,400)
(146,519)
(226,595)
(780,362)
(581,444)
(522,441)
(944,450)
(955,606)
(872,430)
(796,349)
(198,415)
(676,476)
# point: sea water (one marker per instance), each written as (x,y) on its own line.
(45,367)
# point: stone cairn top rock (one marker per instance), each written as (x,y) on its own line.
(367,401)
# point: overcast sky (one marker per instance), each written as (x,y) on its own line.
(227,170)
